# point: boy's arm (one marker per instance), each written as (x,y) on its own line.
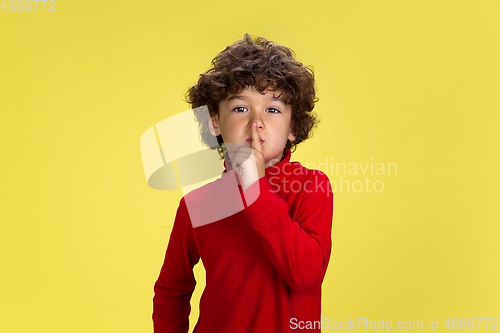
(175,285)
(299,250)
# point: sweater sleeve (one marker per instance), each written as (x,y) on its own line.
(176,283)
(299,249)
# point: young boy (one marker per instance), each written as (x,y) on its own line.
(264,264)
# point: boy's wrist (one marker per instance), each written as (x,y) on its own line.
(259,198)
(249,182)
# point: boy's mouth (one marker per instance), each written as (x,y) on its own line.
(250,141)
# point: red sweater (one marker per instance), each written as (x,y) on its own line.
(264,265)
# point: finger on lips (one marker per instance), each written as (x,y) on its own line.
(256,144)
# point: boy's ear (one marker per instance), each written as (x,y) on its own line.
(291,135)
(213,125)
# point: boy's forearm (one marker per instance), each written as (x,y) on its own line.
(176,282)
(171,318)
(299,250)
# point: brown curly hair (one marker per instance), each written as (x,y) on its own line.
(266,66)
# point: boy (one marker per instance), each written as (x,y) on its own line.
(265,264)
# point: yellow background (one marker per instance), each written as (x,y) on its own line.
(414,83)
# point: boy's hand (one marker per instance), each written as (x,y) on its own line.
(248,162)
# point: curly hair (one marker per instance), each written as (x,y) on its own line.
(266,66)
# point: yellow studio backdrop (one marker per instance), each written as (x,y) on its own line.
(409,136)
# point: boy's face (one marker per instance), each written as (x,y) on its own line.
(238,112)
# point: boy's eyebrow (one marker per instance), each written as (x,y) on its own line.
(245,97)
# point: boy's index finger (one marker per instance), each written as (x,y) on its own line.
(256,144)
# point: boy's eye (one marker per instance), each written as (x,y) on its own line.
(239,109)
(273,110)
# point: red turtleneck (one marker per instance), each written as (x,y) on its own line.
(264,264)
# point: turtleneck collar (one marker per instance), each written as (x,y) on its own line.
(276,171)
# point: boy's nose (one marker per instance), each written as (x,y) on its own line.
(256,119)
